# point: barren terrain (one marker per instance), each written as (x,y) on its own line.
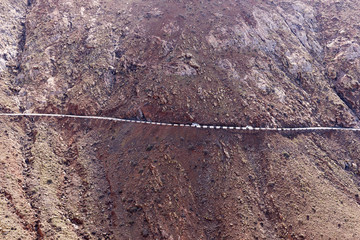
(259,63)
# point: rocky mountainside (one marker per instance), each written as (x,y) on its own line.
(259,63)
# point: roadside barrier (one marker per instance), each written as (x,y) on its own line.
(193,125)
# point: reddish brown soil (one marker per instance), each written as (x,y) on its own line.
(259,63)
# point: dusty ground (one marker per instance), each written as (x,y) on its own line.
(260,63)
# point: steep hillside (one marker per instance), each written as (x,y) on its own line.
(258,63)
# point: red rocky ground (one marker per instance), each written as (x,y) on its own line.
(259,63)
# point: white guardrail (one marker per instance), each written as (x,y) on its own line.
(193,125)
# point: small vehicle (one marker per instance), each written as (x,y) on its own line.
(249,128)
